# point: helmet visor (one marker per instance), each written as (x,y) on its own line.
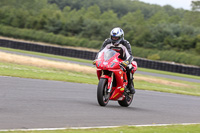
(115,38)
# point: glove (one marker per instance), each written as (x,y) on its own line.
(94,62)
(125,63)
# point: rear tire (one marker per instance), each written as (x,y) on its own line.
(127,100)
(102,92)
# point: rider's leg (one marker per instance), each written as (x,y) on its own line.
(130,81)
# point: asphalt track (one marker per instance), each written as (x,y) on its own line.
(33,103)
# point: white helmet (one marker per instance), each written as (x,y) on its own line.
(116,35)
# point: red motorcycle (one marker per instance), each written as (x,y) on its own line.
(112,79)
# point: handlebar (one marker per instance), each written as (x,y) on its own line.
(122,67)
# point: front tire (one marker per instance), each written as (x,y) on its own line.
(102,92)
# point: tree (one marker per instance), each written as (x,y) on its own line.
(197,47)
(192,18)
(93,12)
(195,5)
(158,18)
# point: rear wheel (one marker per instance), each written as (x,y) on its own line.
(127,100)
(102,92)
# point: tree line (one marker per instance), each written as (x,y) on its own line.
(145,25)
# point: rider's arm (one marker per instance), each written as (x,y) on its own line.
(128,51)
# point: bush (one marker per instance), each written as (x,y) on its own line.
(42,36)
(198,47)
(153,57)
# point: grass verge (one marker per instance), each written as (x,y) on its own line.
(26,71)
(125,129)
(146,82)
(90,62)
(62,74)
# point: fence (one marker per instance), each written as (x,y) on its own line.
(158,65)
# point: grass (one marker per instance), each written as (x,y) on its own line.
(125,129)
(141,82)
(145,85)
(23,71)
(146,82)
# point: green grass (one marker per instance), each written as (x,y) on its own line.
(185,87)
(125,129)
(15,70)
(144,85)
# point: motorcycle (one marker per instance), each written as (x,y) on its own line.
(113,79)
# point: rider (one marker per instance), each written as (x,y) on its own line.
(118,43)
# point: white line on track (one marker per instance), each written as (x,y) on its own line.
(48,129)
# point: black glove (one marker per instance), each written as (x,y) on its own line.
(125,63)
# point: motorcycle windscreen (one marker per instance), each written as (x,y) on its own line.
(109,54)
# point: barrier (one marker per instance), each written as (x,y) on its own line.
(158,65)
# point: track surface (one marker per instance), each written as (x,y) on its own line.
(32,103)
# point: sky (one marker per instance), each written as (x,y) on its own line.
(185,4)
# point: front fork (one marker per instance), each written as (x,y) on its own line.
(110,82)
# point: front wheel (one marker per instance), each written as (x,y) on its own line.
(102,92)
(127,100)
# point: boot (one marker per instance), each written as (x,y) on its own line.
(130,82)
(131,87)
